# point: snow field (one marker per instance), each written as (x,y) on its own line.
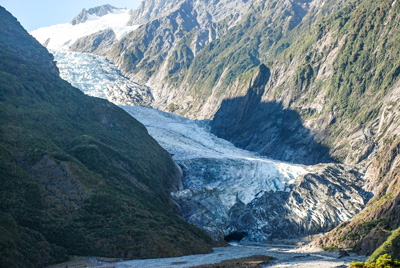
(64,35)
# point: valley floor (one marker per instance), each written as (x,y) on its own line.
(286,256)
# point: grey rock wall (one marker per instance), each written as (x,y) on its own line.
(98,43)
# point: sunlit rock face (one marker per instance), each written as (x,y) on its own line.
(236,194)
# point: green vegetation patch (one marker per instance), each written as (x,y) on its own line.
(384,261)
(391,246)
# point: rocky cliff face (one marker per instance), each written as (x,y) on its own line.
(195,75)
(98,43)
(380,219)
(314,77)
(264,126)
(172,34)
(205,12)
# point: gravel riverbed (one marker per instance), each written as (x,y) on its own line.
(285,256)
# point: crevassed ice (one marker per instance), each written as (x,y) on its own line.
(97,77)
(214,163)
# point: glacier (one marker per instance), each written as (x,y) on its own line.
(213,163)
(234,193)
(227,191)
(97,77)
(231,193)
(94,74)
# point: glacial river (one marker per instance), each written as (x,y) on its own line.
(286,256)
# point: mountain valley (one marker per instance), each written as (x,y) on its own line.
(283,79)
(277,119)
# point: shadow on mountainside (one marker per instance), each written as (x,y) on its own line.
(267,128)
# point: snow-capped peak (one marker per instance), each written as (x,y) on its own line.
(62,36)
(98,11)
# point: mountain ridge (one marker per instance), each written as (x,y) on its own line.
(198,85)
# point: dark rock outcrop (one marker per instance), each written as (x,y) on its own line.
(270,130)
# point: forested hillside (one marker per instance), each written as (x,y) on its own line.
(78,174)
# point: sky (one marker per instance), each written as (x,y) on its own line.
(41,13)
